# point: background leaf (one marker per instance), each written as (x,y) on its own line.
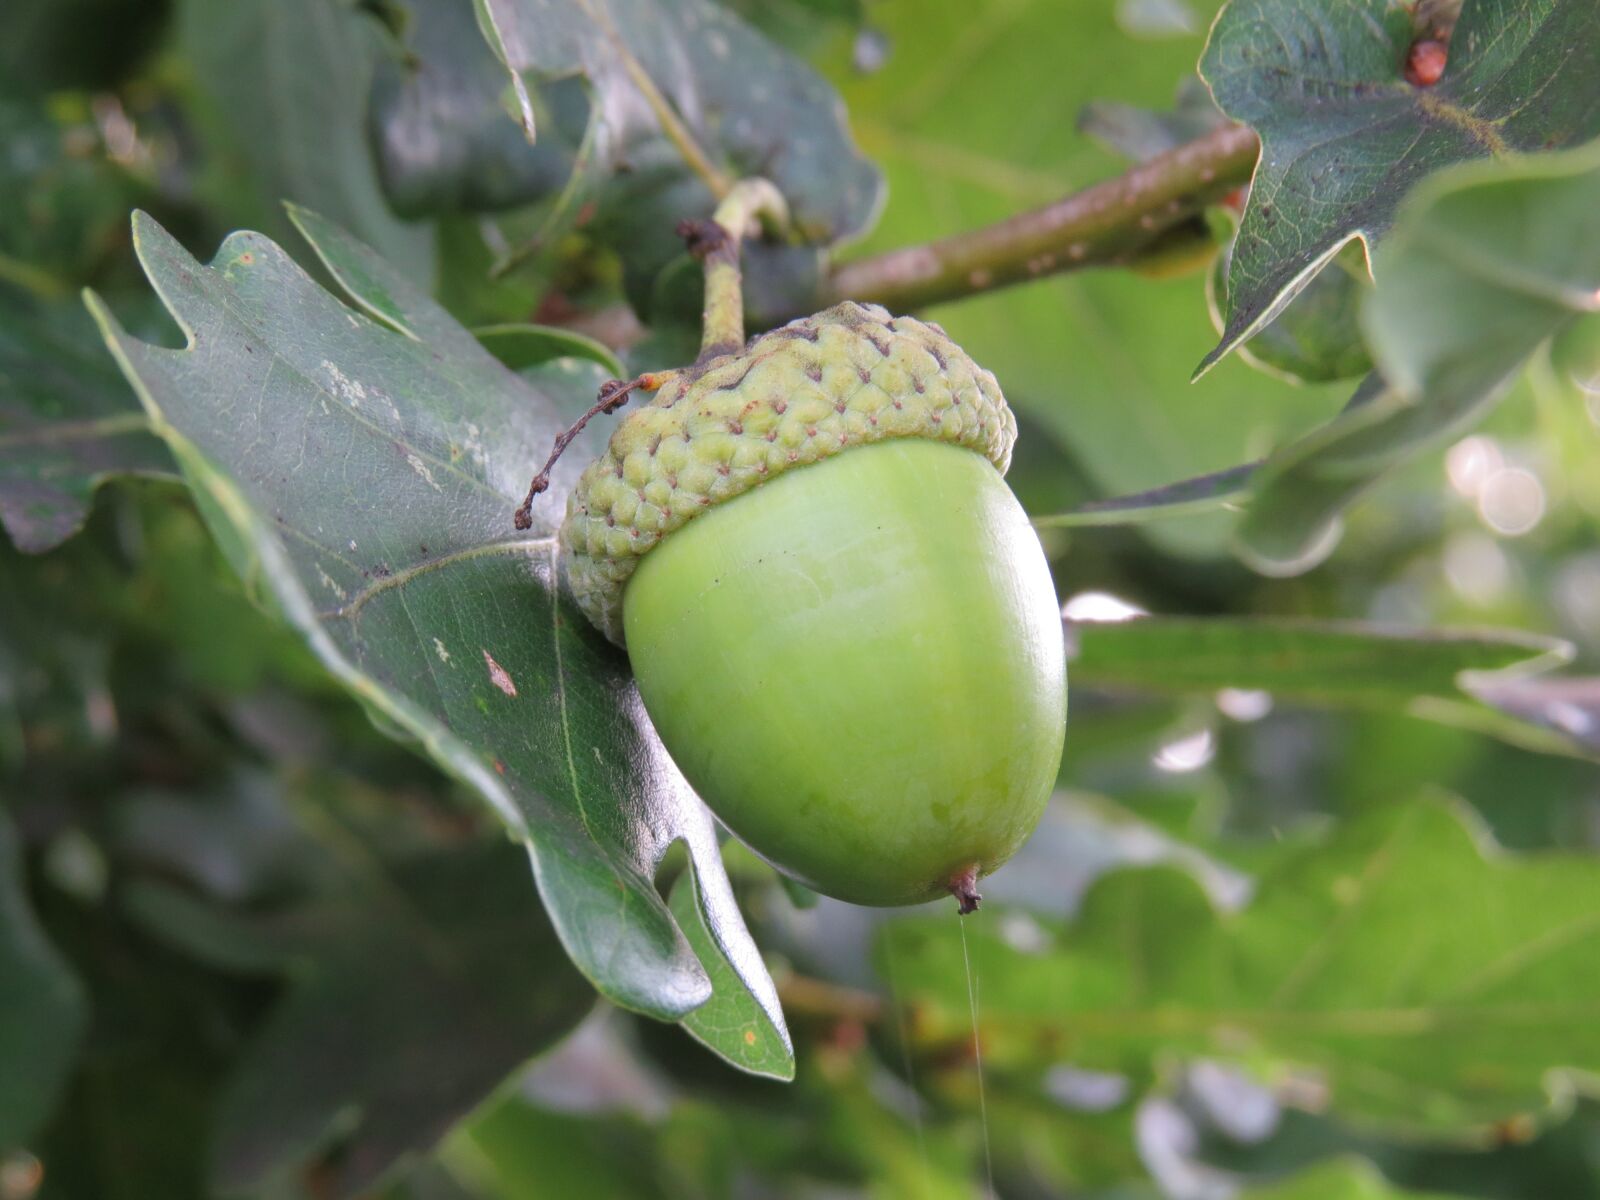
(1485,264)
(47,49)
(442,133)
(286,87)
(1344,136)
(1141,133)
(1567,706)
(521,346)
(414,995)
(67,423)
(1317,337)
(1189,496)
(1338,1179)
(43,1015)
(1312,661)
(1475,679)
(1417,977)
(299,422)
(759,111)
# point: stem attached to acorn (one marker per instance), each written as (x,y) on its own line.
(1108,224)
(964,887)
(749,204)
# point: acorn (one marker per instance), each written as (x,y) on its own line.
(840,619)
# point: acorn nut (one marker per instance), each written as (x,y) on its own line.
(839,617)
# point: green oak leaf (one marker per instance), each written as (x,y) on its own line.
(1348,1178)
(1485,263)
(1204,493)
(1317,662)
(442,135)
(67,423)
(732,1023)
(1317,337)
(755,109)
(361,473)
(1575,355)
(282,96)
(416,990)
(523,345)
(1486,680)
(1140,134)
(1569,706)
(805,25)
(1344,137)
(515,1148)
(1083,836)
(1424,980)
(43,1013)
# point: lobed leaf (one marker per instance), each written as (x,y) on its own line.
(361,473)
(1486,263)
(757,109)
(1344,137)
(1404,967)
(440,129)
(732,1022)
(1317,337)
(284,86)
(67,423)
(525,345)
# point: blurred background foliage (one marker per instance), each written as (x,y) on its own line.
(1314,919)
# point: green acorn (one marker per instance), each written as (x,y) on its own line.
(839,617)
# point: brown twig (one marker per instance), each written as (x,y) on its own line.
(804,996)
(1107,224)
(613,395)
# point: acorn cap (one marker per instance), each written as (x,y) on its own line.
(847,376)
